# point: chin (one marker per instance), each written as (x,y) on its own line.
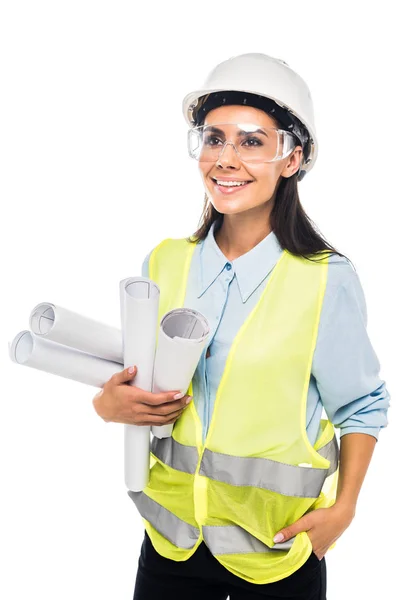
(228,206)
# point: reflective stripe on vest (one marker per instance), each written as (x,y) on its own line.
(229,539)
(289,480)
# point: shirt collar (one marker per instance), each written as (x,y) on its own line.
(250,268)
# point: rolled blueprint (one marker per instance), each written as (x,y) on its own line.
(33,351)
(139,304)
(182,336)
(52,322)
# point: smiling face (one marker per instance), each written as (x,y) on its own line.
(263,177)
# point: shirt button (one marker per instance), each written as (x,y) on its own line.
(228,266)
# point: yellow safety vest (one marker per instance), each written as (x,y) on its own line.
(257,471)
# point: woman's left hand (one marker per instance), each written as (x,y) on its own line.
(323,525)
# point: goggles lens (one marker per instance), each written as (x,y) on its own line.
(253,144)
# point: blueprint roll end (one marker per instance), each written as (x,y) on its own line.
(42,317)
(20,349)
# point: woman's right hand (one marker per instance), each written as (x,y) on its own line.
(122,403)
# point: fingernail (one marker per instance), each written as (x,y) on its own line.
(178,396)
(189,399)
(131,369)
(279,537)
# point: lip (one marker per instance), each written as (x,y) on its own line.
(229,179)
(229,190)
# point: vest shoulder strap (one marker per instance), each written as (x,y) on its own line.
(169,265)
(170,251)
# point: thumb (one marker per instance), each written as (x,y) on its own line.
(125,375)
(288,532)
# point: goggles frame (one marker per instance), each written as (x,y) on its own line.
(289,142)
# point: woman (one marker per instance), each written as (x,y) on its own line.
(246,497)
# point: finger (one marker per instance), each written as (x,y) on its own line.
(164,419)
(170,408)
(156,399)
(125,375)
(289,532)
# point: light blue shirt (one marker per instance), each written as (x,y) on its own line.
(345,369)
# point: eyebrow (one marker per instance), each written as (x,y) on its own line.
(241,132)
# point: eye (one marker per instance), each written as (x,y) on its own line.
(211,140)
(253,141)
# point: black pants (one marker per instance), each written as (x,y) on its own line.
(202,577)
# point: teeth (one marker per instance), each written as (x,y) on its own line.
(231,183)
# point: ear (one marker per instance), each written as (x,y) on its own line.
(293,162)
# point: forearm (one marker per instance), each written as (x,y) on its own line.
(355,455)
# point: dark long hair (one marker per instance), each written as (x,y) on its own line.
(294,229)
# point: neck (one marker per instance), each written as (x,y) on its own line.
(239,233)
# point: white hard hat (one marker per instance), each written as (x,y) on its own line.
(272,85)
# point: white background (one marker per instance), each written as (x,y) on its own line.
(94,173)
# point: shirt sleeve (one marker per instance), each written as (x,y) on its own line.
(345,365)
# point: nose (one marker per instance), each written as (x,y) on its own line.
(228,156)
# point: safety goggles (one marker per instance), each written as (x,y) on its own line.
(252,143)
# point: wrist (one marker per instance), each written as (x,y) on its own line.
(345,508)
